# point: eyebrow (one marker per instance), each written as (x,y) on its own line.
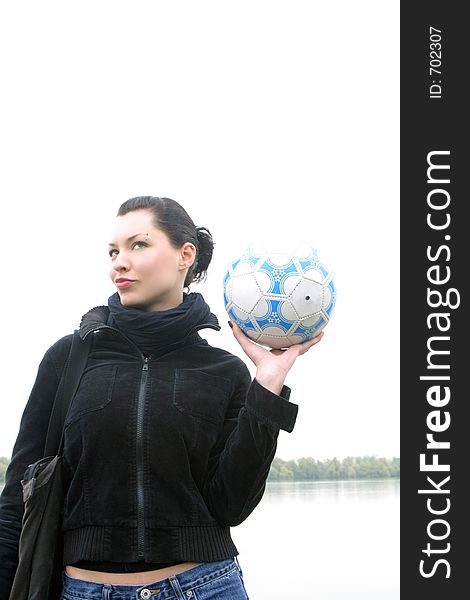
(129,239)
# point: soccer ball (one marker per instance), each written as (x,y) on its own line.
(279,297)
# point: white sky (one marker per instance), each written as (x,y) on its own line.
(260,118)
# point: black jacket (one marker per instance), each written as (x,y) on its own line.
(162,454)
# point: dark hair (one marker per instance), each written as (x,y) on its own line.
(171,218)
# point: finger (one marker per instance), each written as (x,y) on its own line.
(247,345)
(238,333)
(304,346)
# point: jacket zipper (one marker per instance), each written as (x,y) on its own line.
(140,461)
(139,445)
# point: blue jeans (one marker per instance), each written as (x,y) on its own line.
(220,580)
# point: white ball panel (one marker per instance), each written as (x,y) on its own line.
(291,282)
(244,267)
(280,260)
(314,275)
(326,296)
(263,280)
(261,309)
(288,312)
(307,298)
(310,321)
(245,292)
(295,339)
(274,331)
(228,289)
(240,314)
(273,342)
(253,335)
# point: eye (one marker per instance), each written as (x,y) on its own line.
(139,244)
(113,253)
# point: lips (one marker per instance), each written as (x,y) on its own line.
(122,282)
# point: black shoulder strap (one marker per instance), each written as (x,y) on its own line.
(68,385)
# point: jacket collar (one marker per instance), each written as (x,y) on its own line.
(97,318)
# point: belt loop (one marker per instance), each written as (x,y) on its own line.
(238,565)
(175,585)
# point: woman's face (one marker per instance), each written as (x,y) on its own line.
(145,268)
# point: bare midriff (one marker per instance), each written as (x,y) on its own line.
(140,578)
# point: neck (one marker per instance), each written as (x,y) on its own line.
(166,303)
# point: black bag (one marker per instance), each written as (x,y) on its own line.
(39,572)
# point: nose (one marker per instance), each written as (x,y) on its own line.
(121,263)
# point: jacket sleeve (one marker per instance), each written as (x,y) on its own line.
(240,462)
(28,448)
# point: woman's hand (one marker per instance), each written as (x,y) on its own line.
(272,365)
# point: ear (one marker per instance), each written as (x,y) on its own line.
(187,255)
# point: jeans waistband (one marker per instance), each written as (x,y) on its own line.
(158,590)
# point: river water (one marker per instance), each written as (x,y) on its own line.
(322,540)
(328,540)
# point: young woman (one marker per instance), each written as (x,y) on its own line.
(168,442)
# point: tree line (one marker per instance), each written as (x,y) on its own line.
(4,462)
(358,467)
(307,468)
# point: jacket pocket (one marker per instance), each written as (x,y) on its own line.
(201,395)
(94,392)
